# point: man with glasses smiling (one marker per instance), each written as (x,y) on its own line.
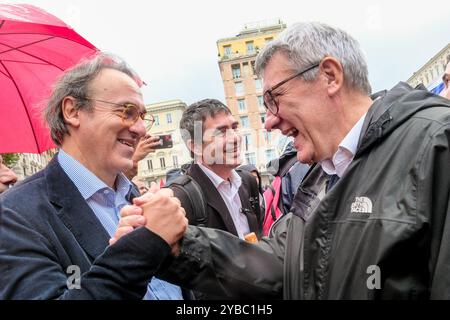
(370,219)
(56,225)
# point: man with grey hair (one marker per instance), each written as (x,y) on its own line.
(56,225)
(370,219)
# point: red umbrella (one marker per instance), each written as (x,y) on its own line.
(35,48)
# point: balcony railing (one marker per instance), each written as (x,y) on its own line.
(238,55)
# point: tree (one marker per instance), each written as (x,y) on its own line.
(10,159)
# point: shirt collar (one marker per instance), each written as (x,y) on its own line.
(235,179)
(346,151)
(87,182)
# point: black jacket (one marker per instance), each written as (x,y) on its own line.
(46,227)
(218,216)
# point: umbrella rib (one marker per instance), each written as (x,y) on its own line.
(29,62)
(23,46)
(2,23)
(65,38)
(23,103)
(5,74)
(32,55)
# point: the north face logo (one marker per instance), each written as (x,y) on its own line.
(361,205)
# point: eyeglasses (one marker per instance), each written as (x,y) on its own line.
(129,113)
(270,101)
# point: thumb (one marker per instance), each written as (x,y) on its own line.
(154,187)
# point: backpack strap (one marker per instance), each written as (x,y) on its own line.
(272,195)
(287,166)
(194,193)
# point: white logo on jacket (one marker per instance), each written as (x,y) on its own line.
(362,205)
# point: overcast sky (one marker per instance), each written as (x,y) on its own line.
(172,43)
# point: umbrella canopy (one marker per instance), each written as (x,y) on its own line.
(35,48)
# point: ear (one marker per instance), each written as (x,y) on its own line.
(334,74)
(70,112)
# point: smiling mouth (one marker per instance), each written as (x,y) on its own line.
(127,143)
(292,133)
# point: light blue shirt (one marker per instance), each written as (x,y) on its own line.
(106,203)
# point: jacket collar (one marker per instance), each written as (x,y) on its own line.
(245,195)
(212,196)
(74,212)
(392,109)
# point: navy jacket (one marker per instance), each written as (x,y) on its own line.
(47,228)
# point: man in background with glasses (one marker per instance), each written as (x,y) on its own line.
(56,225)
(371,218)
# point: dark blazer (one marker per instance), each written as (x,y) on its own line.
(217,211)
(46,226)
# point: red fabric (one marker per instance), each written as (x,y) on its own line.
(35,48)
(271,200)
(161,183)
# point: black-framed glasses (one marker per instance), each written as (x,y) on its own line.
(129,113)
(270,101)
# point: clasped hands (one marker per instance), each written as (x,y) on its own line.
(157,210)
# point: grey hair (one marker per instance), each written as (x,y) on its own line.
(197,113)
(75,82)
(307,43)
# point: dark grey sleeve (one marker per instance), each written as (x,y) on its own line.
(434,200)
(218,263)
(29,267)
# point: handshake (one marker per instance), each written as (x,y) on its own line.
(157,210)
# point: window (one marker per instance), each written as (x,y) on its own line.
(246,68)
(175,161)
(156,121)
(150,165)
(250,47)
(242,105)
(239,86)
(247,141)
(250,158)
(270,155)
(236,71)
(263,118)
(268,40)
(258,84)
(227,50)
(169,118)
(253,67)
(244,122)
(267,136)
(261,102)
(162,161)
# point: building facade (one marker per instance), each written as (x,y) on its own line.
(167,119)
(244,91)
(30,163)
(430,75)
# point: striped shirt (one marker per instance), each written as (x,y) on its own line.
(106,204)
